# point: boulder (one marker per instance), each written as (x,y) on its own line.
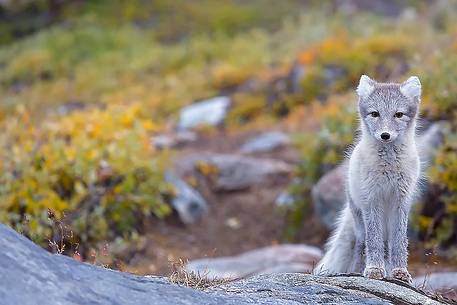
(31,276)
(187,202)
(329,192)
(273,259)
(208,112)
(265,142)
(329,195)
(232,172)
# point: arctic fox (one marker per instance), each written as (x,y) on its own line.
(382,180)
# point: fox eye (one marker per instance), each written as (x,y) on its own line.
(374,114)
(399,114)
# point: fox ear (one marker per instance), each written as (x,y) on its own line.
(366,86)
(411,88)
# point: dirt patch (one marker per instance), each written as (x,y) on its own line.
(236,222)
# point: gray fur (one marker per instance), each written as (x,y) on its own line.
(382,180)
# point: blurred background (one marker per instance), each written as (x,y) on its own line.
(138,135)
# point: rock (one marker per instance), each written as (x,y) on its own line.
(277,87)
(329,192)
(233,223)
(429,141)
(188,202)
(166,141)
(293,288)
(70,107)
(440,282)
(329,195)
(298,72)
(295,78)
(163,141)
(332,74)
(273,259)
(233,172)
(30,276)
(265,142)
(208,112)
(251,85)
(285,200)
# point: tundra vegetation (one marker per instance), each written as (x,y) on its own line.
(82,94)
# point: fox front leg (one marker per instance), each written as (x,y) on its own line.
(398,243)
(374,242)
(359,244)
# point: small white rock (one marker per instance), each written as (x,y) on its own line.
(210,112)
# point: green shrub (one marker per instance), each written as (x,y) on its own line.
(439,79)
(439,227)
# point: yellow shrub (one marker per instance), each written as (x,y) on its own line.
(228,76)
(94,169)
(335,64)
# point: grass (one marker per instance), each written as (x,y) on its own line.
(195,280)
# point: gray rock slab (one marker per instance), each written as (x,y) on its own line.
(309,289)
(31,276)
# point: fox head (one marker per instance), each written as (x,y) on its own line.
(388,110)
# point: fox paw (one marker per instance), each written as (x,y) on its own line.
(402,274)
(376,273)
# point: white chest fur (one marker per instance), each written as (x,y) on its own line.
(385,174)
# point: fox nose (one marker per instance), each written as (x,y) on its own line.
(385,136)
